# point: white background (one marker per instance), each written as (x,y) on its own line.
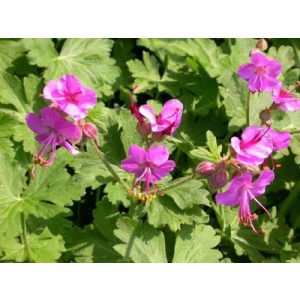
(156,18)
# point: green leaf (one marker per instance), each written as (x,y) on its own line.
(213,146)
(41,51)
(43,247)
(195,244)
(9,51)
(47,196)
(117,194)
(240,52)
(145,72)
(105,217)
(90,246)
(54,184)
(189,194)
(12,92)
(88,59)
(23,134)
(235,93)
(163,211)
(129,134)
(208,55)
(7,124)
(141,242)
(285,55)
(90,170)
(95,243)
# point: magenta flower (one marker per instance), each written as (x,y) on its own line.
(257,143)
(52,130)
(242,190)
(253,147)
(261,73)
(168,120)
(285,99)
(70,96)
(148,165)
(280,140)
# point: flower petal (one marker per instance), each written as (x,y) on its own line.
(87,99)
(163,170)
(148,113)
(71,84)
(157,155)
(281,140)
(259,186)
(235,192)
(50,117)
(35,123)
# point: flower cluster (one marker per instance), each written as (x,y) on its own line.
(261,74)
(152,164)
(250,162)
(68,99)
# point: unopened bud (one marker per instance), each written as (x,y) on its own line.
(214,173)
(135,111)
(206,168)
(218,179)
(265,116)
(144,129)
(158,136)
(262,45)
(90,130)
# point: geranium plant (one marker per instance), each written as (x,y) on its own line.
(149,150)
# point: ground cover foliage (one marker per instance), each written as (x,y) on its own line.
(75,210)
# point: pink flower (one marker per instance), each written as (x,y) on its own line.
(168,120)
(261,73)
(242,190)
(285,99)
(257,144)
(281,140)
(70,96)
(148,165)
(253,147)
(52,130)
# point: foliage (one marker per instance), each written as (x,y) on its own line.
(75,210)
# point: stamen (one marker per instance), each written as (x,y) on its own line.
(253,197)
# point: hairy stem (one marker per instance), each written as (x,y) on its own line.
(24,236)
(109,167)
(248,108)
(176,183)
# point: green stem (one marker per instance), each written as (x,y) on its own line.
(109,167)
(24,236)
(295,132)
(248,108)
(176,183)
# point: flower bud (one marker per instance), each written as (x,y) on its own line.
(144,129)
(90,130)
(206,168)
(214,173)
(158,136)
(265,115)
(262,45)
(218,179)
(135,111)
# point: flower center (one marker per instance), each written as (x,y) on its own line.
(261,70)
(72,97)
